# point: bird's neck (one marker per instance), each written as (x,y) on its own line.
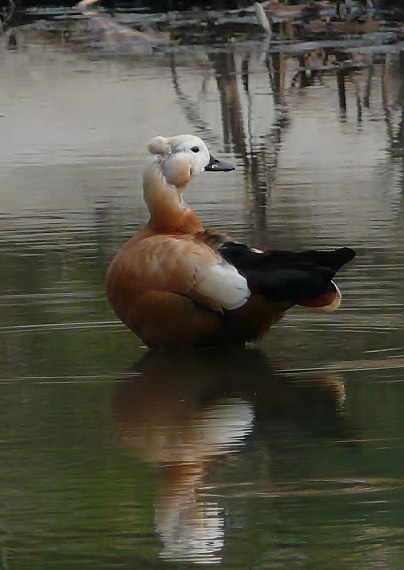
(168,212)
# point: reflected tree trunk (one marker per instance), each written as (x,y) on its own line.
(368,88)
(341,92)
(385,80)
(234,132)
(230,104)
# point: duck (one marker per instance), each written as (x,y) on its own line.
(178,285)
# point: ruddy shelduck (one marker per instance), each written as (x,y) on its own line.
(178,285)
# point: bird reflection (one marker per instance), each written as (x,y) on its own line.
(182,413)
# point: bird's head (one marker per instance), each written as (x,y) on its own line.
(184,156)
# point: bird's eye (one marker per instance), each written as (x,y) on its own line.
(195,149)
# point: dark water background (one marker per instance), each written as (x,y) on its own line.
(285,456)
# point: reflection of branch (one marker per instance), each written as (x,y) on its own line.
(232,113)
(259,160)
(396,139)
(387,120)
(366,97)
(275,64)
(188,106)
(385,80)
(276,67)
(7,14)
(245,81)
(358,98)
(341,92)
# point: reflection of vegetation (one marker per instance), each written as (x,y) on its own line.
(395,132)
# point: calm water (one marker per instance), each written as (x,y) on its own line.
(290,455)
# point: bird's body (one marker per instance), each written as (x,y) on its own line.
(177,285)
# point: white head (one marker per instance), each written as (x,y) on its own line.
(184,156)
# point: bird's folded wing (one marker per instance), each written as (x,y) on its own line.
(190,268)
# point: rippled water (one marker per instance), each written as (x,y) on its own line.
(286,456)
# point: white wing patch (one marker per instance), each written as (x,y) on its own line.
(224,284)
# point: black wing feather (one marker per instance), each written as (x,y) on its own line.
(286,275)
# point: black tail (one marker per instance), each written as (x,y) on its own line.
(286,275)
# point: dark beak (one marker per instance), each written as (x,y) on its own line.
(216,165)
